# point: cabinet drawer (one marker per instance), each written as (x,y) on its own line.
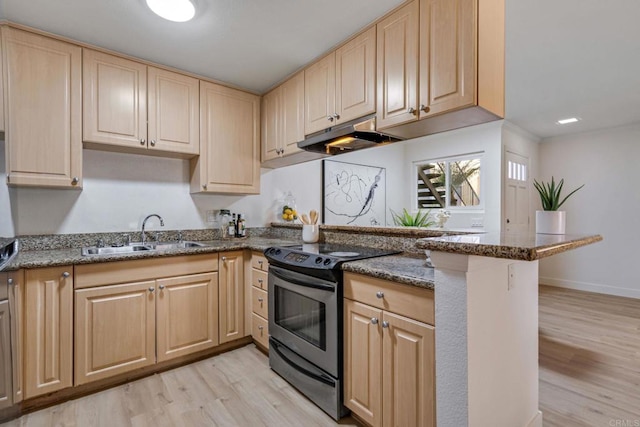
(260,330)
(259,262)
(259,302)
(259,279)
(410,301)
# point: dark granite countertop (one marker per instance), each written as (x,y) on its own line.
(56,257)
(409,269)
(526,247)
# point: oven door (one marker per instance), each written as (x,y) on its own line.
(303,315)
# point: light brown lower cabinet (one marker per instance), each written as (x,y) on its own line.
(120,328)
(48,330)
(231,268)
(114,329)
(389,367)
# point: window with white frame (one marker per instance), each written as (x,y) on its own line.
(449,183)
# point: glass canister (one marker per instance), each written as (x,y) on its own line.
(289,213)
(224,216)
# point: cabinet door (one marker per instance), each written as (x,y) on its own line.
(397,60)
(356,77)
(408,372)
(6,379)
(43,87)
(292,114)
(16,305)
(115,100)
(363,361)
(447,55)
(229,159)
(231,291)
(48,330)
(174,109)
(187,315)
(319,95)
(114,330)
(271,142)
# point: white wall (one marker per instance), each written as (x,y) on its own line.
(607,162)
(485,138)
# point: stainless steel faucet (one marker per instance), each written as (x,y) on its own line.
(144,223)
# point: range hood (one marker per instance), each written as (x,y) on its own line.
(347,137)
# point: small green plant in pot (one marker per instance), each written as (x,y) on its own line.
(420,219)
(551,220)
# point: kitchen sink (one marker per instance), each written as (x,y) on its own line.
(94,250)
(175,245)
(137,247)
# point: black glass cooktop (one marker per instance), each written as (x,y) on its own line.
(346,252)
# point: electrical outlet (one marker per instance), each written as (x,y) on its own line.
(477,222)
(512,277)
(210,216)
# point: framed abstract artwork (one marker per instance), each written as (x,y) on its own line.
(353,194)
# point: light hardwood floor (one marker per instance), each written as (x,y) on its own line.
(589,376)
(232,389)
(589,359)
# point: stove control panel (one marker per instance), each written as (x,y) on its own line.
(301,259)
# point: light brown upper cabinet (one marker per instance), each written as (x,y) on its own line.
(426,60)
(132,107)
(229,160)
(43,87)
(341,86)
(283,118)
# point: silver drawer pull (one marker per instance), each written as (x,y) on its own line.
(260,328)
(260,299)
(385,324)
(380,294)
(151,289)
(374,320)
(66,274)
(9,281)
(261,281)
(161,287)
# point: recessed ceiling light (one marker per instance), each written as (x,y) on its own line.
(569,120)
(173,10)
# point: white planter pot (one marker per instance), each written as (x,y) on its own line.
(550,222)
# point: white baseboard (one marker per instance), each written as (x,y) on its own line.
(536,421)
(590,287)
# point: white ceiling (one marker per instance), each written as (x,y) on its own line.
(564,57)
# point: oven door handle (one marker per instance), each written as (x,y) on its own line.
(323,378)
(293,278)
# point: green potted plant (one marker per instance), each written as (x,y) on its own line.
(420,219)
(550,220)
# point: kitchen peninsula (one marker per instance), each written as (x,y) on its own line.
(486,311)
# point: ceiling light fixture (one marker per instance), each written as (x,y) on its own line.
(173,10)
(569,120)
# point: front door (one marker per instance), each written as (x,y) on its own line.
(516,199)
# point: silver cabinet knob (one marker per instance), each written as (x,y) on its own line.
(9,281)
(75,180)
(379,294)
(260,328)
(412,111)
(152,142)
(337,116)
(66,274)
(330,118)
(224,258)
(385,324)
(260,299)
(151,289)
(424,108)
(261,281)
(204,186)
(374,320)
(161,287)
(260,263)
(142,141)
